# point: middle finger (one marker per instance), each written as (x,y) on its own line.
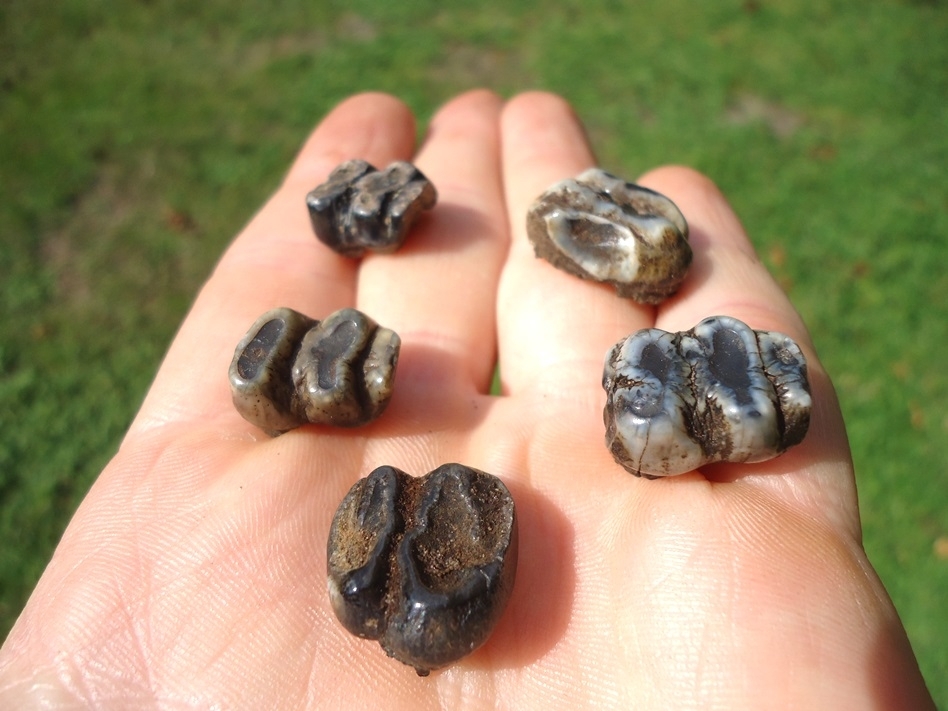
(438,292)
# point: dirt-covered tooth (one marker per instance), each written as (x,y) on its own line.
(425,565)
(599,227)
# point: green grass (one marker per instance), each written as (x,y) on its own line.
(137,137)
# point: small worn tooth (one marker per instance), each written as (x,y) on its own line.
(289,370)
(360,208)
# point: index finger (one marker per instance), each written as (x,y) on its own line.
(275,261)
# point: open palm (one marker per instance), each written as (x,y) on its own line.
(193,575)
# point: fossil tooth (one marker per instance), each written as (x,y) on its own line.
(718,392)
(599,227)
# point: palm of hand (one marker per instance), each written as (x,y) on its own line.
(194,573)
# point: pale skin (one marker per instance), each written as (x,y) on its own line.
(193,574)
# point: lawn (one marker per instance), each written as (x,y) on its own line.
(137,137)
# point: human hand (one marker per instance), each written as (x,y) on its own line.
(193,575)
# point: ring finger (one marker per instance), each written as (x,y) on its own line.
(554,328)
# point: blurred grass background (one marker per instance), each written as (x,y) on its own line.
(136,138)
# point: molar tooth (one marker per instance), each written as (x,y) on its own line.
(360,208)
(600,227)
(718,392)
(425,565)
(290,369)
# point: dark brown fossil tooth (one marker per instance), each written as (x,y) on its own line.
(360,208)
(425,565)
